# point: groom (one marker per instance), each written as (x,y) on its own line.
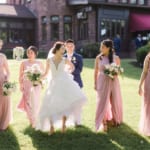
(76,59)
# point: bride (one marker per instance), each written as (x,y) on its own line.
(63,96)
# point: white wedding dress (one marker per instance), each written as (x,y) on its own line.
(63,97)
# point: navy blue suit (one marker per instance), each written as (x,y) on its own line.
(78,63)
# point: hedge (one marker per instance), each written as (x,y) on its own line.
(89,50)
(141,53)
(9,54)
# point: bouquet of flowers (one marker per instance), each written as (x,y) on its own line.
(8,88)
(33,74)
(112,70)
(18,53)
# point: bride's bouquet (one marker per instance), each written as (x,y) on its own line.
(33,74)
(8,88)
(112,70)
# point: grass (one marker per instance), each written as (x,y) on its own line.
(20,136)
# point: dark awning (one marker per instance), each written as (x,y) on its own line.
(139,22)
(15,11)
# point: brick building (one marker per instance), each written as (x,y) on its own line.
(86,21)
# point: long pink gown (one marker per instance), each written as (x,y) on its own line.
(30,101)
(5,103)
(109,100)
(144,125)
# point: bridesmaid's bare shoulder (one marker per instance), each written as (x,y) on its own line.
(2,55)
(148,55)
(23,62)
(99,57)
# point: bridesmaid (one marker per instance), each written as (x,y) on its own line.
(109,100)
(30,100)
(144,91)
(5,104)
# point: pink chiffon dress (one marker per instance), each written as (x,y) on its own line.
(109,100)
(144,126)
(5,103)
(30,101)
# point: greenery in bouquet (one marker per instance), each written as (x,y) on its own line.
(8,88)
(33,74)
(113,70)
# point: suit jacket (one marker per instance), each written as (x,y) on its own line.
(78,63)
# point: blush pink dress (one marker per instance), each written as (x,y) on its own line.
(109,100)
(144,126)
(5,103)
(30,101)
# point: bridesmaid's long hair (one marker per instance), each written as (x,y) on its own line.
(109,44)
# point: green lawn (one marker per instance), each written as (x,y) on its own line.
(20,136)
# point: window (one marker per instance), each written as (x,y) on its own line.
(105,28)
(110,27)
(44,28)
(3,35)
(83,30)
(54,27)
(15,36)
(113,1)
(28,1)
(141,2)
(123,1)
(17,25)
(3,24)
(132,1)
(67,27)
(29,25)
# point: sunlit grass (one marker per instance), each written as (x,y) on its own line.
(20,136)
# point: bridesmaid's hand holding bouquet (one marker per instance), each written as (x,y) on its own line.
(34,74)
(113,70)
(8,88)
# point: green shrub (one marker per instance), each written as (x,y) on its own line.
(42,54)
(141,53)
(90,50)
(8,53)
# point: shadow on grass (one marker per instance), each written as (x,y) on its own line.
(8,140)
(128,139)
(83,138)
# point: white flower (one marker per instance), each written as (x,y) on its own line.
(18,52)
(112,70)
(33,74)
(74,59)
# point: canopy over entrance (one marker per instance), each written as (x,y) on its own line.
(139,22)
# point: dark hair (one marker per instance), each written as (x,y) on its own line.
(69,41)
(109,44)
(57,46)
(34,49)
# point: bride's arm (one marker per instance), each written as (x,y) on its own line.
(71,65)
(46,69)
